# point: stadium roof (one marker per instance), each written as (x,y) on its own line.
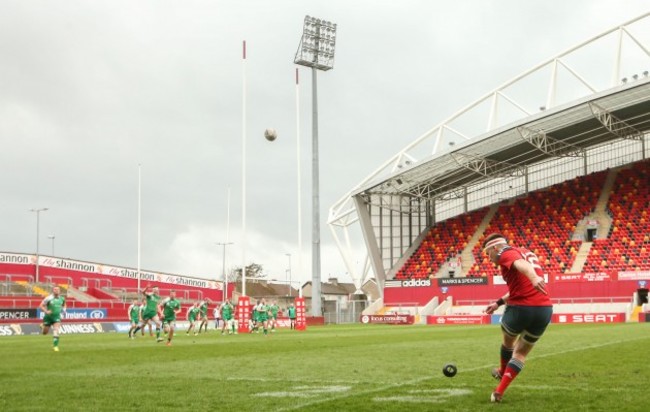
(622,113)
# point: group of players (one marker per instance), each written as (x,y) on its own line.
(162,313)
(152,309)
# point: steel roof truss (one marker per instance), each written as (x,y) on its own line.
(486,166)
(545,143)
(616,126)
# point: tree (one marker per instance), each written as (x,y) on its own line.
(253,271)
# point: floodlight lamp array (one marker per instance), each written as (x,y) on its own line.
(317,44)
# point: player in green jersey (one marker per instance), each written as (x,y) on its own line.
(170,307)
(291,313)
(262,310)
(133,313)
(227,311)
(273,311)
(203,311)
(142,307)
(192,314)
(52,307)
(150,312)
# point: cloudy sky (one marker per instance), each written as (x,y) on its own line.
(91,89)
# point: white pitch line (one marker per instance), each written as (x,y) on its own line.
(304,391)
(337,382)
(411,399)
(450,392)
(442,395)
(425,378)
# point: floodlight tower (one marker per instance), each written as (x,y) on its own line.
(316,50)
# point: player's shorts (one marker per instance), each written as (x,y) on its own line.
(192,319)
(528,321)
(148,316)
(49,320)
(169,321)
(262,318)
(227,318)
(135,321)
(275,316)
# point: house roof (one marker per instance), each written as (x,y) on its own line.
(338,288)
(262,288)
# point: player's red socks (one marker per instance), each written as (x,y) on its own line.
(512,370)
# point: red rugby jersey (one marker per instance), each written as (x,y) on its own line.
(521,290)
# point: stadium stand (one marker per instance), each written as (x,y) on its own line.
(627,245)
(545,222)
(88,290)
(444,242)
(553,223)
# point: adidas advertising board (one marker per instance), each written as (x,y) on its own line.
(410,283)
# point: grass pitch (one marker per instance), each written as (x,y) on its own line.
(331,368)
